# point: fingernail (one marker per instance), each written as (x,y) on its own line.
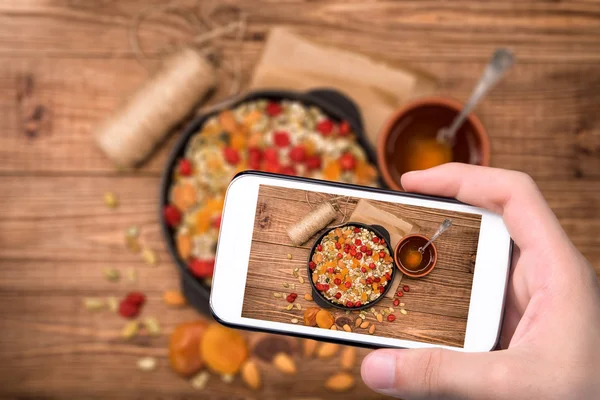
(415,172)
(379,370)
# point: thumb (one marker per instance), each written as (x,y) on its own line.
(436,373)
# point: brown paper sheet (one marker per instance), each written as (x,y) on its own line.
(367,213)
(292,62)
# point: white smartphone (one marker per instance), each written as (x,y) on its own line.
(329,261)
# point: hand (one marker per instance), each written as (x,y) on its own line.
(550,338)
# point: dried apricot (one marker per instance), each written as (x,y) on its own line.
(184,245)
(227,121)
(224,350)
(332,171)
(184,355)
(183,196)
(324,319)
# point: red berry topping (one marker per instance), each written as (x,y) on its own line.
(363,269)
(340,255)
(396,302)
(369,252)
(313,162)
(347,162)
(344,128)
(406,288)
(216,222)
(319,247)
(172,215)
(349,304)
(375,239)
(254,157)
(348,284)
(271,154)
(356,230)
(325,127)
(185,167)
(312,265)
(369,281)
(231,155)
(337,281)
(297,154)
(288,170)
(338,246)
(202,268)
(382,241)
(388,276)
(281,139)
(273,109)
(338,295)
(382,254)
(136,298)
(377,279)
(271,166)
(358,242)
(391,317)
(358,256)
(128,310)
(381,289)
(352,252)
(400,294)
(330,270)
(363,248)
(372,265)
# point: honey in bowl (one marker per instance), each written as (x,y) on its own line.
(410,260)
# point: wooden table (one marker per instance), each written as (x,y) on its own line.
(64,64)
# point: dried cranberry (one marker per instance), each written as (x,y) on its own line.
(136,298)
(382,241)
(313,162)
(348,284)
(406,288)
(231,155)
(363,248)
(337,281)
(377,279)
(216,222)
(325,287)
(128,310)
(375,239)
(319,247)
(338,246)
(288,170)
(273,109)
(369,252)
(364,270)
(349,304)
(358,256)
(290,298)
(339,255)
(352,252)
(346,250)
(202,268)
(369,281)
(381,289)
(271,154)
(344,128)
(325,127)
(281,139)
(297,154)
(172,215)
(356,230)
(357,242)
(400,294)
(391,317)
(330,270)
(396,302)
(185,167)
(271,166)
(319,286)
(347,162)
(338,295)
(382,254)
(372,265)
(388,276)
(357,304)
(312,265)
(254,156)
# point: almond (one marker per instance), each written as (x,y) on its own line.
(284,363)
(348,358)
(357,322)
(347,328)
(310,346)
(365,325)
(327,350)
(174,298)
(251,375)
(333,328)
(308,297)
(379,317)
(340,382)
(372,329)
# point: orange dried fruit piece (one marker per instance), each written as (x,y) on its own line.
(203,220)
(183,196)
(184,245)
(238,141)
(185,356)
(338,232)
(324,319)
(375,257)
(215,204)
(332,171)
(387,259)
(363,297)
(224,350)
(251,118)
(227,121)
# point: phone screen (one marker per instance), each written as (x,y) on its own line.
(331,262)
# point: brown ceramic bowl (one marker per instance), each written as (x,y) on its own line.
(479,142)
(411,243)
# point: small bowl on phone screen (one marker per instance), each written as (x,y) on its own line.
(410,260)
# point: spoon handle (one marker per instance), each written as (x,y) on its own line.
(443,227)
(500,62)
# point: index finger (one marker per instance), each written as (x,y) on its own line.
(512,194)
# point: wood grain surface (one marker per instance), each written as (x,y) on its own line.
(437,305)
(64,64)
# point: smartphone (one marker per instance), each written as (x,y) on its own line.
(352,281)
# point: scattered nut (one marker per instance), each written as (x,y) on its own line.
(348,357)
(357,322)
(286,285)
(174,298)
(403,311)
(333,327)
(391,310)
(379,317)
(132,244)
(327,350)
(289,256)
(152,326)
(309,347)
(347,328)
(365,325)
(284,363)
(146,363)
(298,306)
(340,382)
(277,294)
(308,297)
(110,200)
(294,320)
(372,329)
(251,375)
(295,273)
(111,274)
(289,307)
(131,275)
(401,304)
(227,378)
(130,330)
(113,303)
(133,231)
(199,381)
(149,256)
(93,304)
(300,279)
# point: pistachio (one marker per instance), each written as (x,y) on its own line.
(277,295)
(130,330)
(289,256)
(298,306)
(289,307)
(152,326)
(286,285)
(199,381)
(300,279)
(111,274)
(132,232)
(401,304)
(113,303)
(110,200)
(131,275)
(403,311)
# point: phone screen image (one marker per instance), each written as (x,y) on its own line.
(345,276)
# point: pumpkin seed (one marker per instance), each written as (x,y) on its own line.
(300,279)
(147,363)
(152,325)
(298,306)
(199,381)
(403,311)
(289,256)
(294,320)
(289,307)
(93,304)
(286,285)
(149,256)
(111,274)
(129,330)
(277,294)
(110,200)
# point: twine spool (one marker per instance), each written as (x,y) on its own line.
(313,222)
(136,127)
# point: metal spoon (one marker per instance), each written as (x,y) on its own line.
(500,62)
(443,227)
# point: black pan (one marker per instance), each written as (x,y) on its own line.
(333,103)
(319,298)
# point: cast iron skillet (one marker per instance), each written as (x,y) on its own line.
(319,298)
(333,103)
